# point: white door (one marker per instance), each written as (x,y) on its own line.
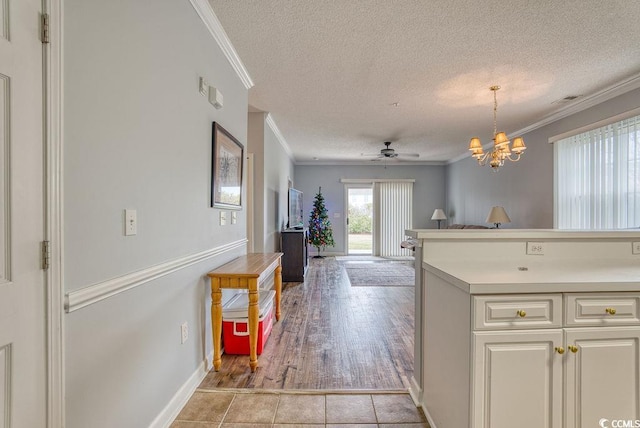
(22,284)
(517,379)
(602,376)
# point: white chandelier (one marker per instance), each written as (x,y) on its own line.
(502,150)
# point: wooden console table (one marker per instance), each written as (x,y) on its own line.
(245,272)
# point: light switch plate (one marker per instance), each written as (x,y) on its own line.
(635,247)
(234,217)
(130,222)
(223,218)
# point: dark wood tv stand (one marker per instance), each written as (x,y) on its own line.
(295,260)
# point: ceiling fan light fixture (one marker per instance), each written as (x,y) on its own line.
(501,150)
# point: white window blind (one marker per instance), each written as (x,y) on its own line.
(395,216)
(598,178)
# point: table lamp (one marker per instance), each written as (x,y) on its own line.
(438,215)
(498,215)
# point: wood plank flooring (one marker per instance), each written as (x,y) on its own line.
(331,336)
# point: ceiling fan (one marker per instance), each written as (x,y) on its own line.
(389,153)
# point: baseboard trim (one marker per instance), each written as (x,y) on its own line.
(172,409)
(428,416)
(95,293)
(415,392)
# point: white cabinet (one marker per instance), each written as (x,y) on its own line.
(521,377)
(548,360)
(517,379)
(602,375)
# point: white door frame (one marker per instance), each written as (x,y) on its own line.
(54,276)
(361,185)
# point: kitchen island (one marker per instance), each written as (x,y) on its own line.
(527,328)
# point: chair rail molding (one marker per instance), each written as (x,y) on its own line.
(91,294)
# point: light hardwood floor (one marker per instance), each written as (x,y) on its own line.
(331,336)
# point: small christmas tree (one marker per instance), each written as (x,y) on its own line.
(320,234)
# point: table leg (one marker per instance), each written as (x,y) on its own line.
(254,315)
(216,321)
(277,282)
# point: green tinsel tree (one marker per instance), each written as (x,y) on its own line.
(320,234)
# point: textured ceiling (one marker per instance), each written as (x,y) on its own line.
(329,72)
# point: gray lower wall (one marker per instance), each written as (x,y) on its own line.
(525,189)
(137,135)
(429,191)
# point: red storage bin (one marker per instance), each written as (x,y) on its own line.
(235,322)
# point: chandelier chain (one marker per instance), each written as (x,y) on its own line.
(495,112)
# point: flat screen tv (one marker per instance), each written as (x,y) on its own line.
(296,218)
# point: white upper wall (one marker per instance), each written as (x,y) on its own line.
(137,135)
(273,168)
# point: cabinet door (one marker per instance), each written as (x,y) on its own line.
(602,376)
(517,379)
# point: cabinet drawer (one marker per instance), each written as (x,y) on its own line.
(517,311)
(602,309)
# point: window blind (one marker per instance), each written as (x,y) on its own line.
(597,176)
(395,216)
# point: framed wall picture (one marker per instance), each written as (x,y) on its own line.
(226,170)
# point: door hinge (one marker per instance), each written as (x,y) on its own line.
(44,28)
(44,255)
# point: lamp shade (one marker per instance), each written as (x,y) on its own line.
(500,139)
(498,215)
(438,214)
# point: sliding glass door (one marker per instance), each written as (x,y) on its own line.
(360,219)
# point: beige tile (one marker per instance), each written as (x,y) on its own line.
(186,424)
(350,409)
(298,425)
(416,425)
(352,426)
(252,408)
(251,425)
(307,409)
(206,407)
(396,408)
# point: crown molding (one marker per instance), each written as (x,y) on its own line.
(279,136)
(371,163)
(582,104)
(588,101)
(208,16)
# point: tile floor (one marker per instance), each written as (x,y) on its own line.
(282,409)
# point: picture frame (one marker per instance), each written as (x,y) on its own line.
(227,157)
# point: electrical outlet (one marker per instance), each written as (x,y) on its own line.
(635,247)
(130,222)
(184,332)
(535,248)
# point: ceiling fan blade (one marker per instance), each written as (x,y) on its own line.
(371,154)
(409,155)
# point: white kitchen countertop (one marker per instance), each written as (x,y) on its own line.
(540,276)
(520,234)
